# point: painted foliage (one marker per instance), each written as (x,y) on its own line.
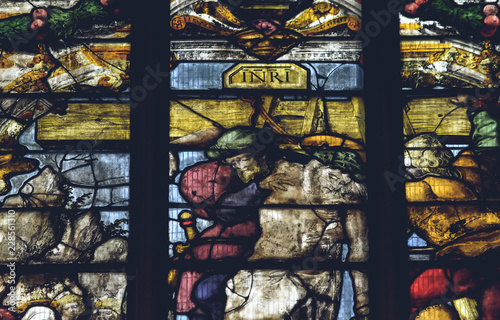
(53,48)
(467,55)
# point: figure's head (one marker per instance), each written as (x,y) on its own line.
(70,306)
(312,184)
(37,24)
(249,166)
(425,152)
(39,13)
(245,149)
(108,309)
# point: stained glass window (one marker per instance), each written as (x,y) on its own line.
(315,172)
(268,188)
(65,159)
(450,154)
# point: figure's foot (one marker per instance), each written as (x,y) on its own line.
(362,312)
